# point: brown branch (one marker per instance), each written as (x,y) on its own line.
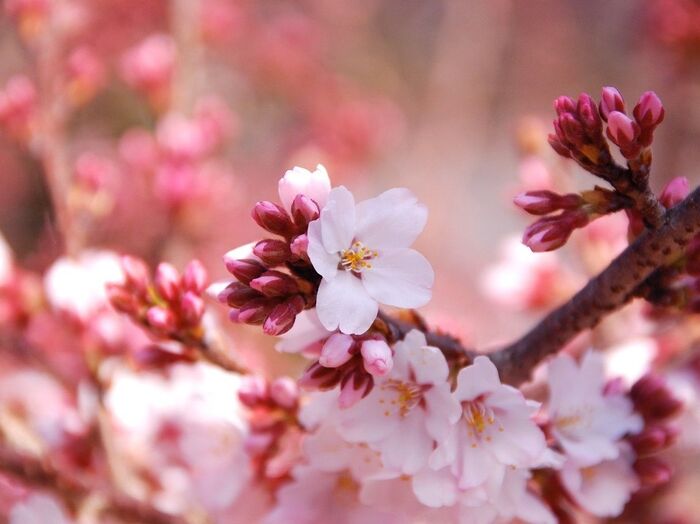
(41,474)
(608,291)
(627,276)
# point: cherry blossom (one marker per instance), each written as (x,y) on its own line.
(602,489)
(361,251)
(77,286)
(299,181)
(586,421)
(495,430)
(412,403)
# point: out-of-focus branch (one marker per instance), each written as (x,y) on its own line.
(41,474)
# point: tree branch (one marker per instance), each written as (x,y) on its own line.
(608,291)
(626,277)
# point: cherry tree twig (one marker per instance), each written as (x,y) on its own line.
(608,291)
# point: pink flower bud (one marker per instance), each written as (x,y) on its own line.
(610,100)
(135,272)
(317,376)
(304,210)
(588,115)
(121,299)
(572,129)
(167,281)
(254,311)
(299,247)
(149,65)
(653,439)
(275,284)
(282,317)
(675,191)
(195,277)
(377,356)
(550,233)
(564,104)
(622,127)
(353,388)
(272,252)
(244,270)
(192,308)
(653,399)
(273,218)
(558,146)
(649,111)
(653,472)
(161,319)
(544,202)
(337,350)
(253,391)
(237,294)
(285,392)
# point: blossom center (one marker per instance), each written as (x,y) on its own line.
(356,258)
(408,395)
(480,420)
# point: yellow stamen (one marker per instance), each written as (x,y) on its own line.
(357,257)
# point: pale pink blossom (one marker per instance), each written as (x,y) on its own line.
(602,489)
(362,253)
(411,405)
(585,421)
(315,496)
(299,181)
(78,285)
(513,501)
(39,509)
(495,431)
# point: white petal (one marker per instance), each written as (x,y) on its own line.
(415,449)
(338,220)
(400,278)
(325,263)
(435,488)
(393,219)
(367,421)
(299,181)
(342,303)
(481,377)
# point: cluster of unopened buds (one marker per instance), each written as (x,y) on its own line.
(583,130)
(169,305)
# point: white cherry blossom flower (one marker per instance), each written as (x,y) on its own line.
(362,252)
(77,285)
(604,488)
(496,429)
(586,421)
(408,410)
(299,181)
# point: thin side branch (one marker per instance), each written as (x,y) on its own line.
(608,291)
(626,277)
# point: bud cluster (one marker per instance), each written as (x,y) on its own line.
(170,305)
(656,403)
(274,436)
(274,280)
(352,362)
(577,211)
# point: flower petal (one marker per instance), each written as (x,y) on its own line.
(400,277)
(325,263)
(342,303)
(338,220)
(393,219)
(481,377)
